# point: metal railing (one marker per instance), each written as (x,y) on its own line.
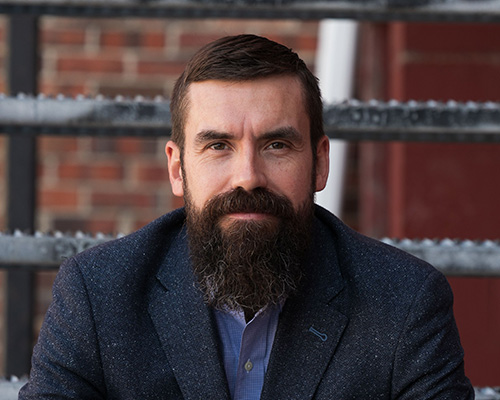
(23,118)
(352,120)
(367,10)
(452,257)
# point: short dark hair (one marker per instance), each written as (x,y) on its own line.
(243,58)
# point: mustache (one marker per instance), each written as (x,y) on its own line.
(259,200)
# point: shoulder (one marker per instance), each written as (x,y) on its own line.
(386,289)
(400,312)
(154,235)
(375,269)
(358,250)
(137,254)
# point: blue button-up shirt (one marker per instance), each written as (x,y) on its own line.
(246,349)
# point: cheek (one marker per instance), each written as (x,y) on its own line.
(202,184)
(296,184)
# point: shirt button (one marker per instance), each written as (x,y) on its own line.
(248,366)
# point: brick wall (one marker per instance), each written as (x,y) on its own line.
(453,192)
(106,184)
(118,185)
(440,190)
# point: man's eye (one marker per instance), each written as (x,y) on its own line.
(218,146)
(277,145)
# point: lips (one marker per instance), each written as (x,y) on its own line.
(251,216)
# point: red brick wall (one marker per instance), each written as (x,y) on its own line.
(134,56)
(442,190)
(106,184)
(118,185)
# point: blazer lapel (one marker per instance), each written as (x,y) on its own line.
(186,328)
(310,327)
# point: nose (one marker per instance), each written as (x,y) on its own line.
(248,171)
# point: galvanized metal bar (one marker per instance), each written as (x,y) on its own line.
(370,10)
(9,390)
(455,258)
(84,116)
(353,120)
(429,121)
(452,257)
(21,251)
(23,63)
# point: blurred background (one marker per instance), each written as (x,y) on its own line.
(415,190)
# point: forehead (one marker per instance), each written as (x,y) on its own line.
(260,103)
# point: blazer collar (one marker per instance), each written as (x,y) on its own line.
(186,327)
(311,325)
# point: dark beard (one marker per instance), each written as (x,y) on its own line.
(248,265)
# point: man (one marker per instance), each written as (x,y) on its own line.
(252,291)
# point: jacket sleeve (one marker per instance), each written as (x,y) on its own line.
(66,361)
(429,358)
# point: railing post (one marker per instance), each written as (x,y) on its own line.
(23,69)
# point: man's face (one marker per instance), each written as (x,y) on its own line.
(247,178)
(248,135)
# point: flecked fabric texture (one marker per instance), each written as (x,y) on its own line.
(127,322)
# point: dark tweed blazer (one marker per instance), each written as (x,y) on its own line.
(127,322)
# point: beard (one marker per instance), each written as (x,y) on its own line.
(246,265)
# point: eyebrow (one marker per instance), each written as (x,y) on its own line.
(286,132)
(208,135)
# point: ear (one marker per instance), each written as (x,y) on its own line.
(173,153)
(322,163)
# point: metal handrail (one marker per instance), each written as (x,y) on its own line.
(352,120)
(485,11)
(452,257)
